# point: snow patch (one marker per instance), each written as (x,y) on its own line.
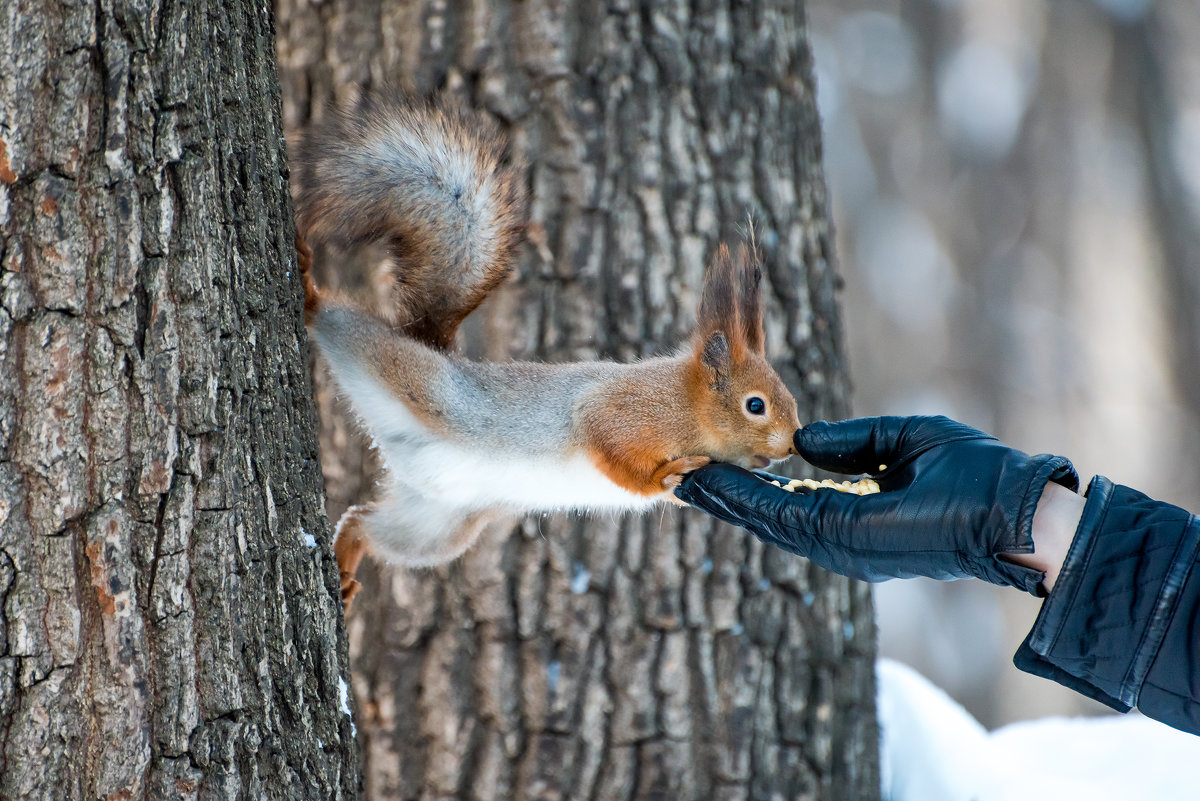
(580,579)
(344,700)
(931,749)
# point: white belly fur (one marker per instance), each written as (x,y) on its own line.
(470,479)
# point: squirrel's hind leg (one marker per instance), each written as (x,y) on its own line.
(417,531)
(408,529)
(350,544)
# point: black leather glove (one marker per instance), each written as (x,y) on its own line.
(953,498)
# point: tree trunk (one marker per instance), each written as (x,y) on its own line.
(642,657)
(170,623)
(1148,48)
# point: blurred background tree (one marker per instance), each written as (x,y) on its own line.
(1015,185)
(646,657)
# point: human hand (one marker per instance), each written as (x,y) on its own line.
(953,500)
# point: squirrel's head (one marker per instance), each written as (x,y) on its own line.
(742,403)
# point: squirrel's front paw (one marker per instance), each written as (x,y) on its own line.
(671,473)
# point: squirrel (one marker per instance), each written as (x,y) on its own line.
(466,443)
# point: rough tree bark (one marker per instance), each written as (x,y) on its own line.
(169,614)
(635,658)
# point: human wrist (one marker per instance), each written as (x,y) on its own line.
(1054,524)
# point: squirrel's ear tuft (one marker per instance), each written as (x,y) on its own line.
(750,312)
(719,308)
(718,302)
(715,355)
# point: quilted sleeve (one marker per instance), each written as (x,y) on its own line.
(1122,624)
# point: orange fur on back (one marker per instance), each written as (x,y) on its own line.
(640,424)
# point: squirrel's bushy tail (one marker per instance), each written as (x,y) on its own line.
(431,182)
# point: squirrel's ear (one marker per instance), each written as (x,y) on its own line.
(715,355)
(749,266)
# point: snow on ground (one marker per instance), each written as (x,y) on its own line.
(931,749)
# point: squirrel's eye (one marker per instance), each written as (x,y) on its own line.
(755,405)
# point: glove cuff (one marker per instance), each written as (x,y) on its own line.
(1042,469)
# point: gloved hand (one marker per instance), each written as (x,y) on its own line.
(952,499)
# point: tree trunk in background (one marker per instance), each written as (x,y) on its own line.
(649,657)
(1149,48)
(170,609)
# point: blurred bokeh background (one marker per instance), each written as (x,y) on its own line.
(1016,189)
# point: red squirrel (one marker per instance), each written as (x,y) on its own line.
(467,442)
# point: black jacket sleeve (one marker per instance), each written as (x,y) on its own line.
(1122,624)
